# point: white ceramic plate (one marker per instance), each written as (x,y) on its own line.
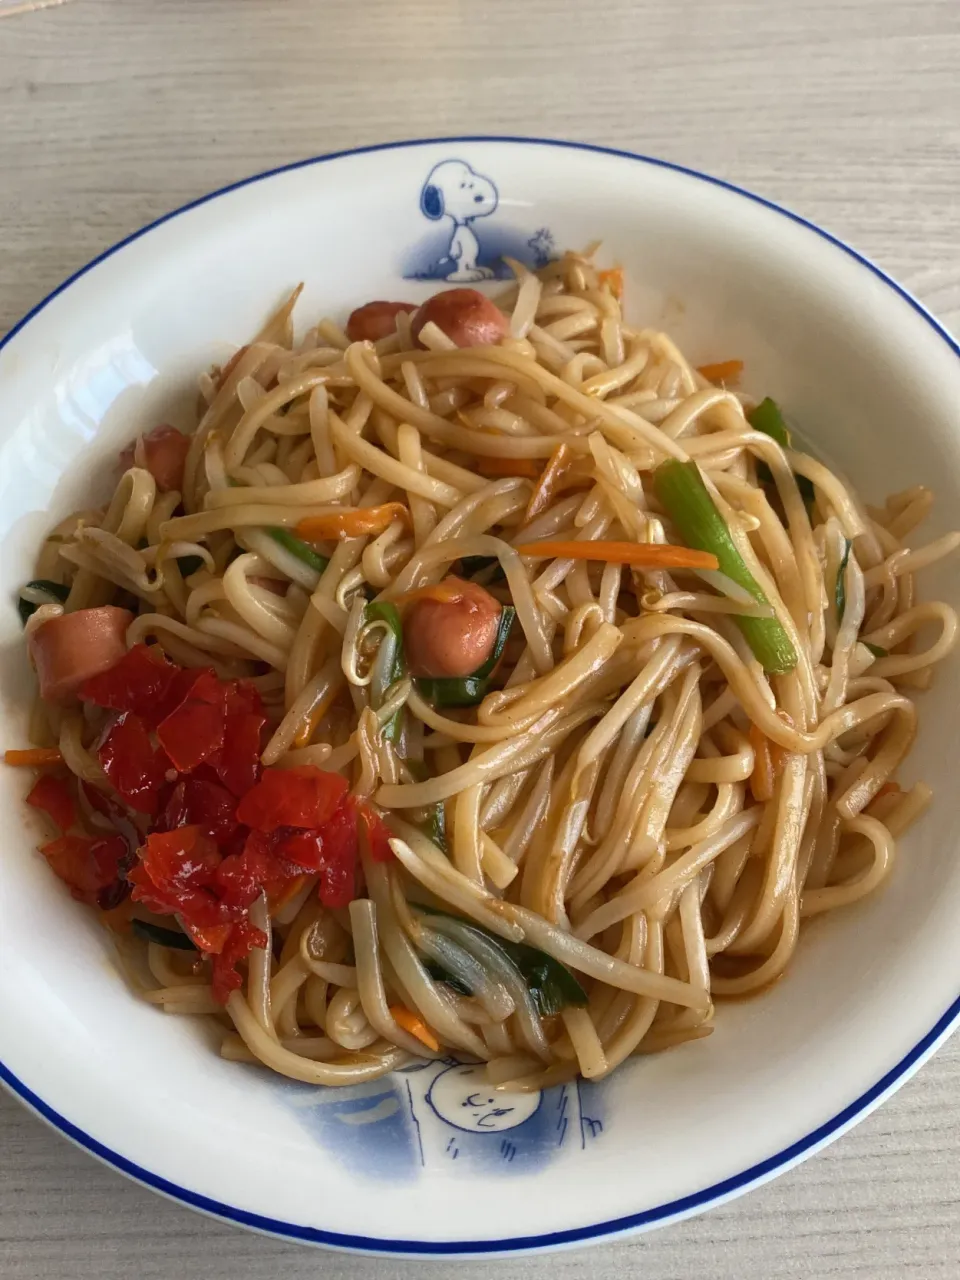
(424,1163)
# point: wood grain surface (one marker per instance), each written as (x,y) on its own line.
(115,111)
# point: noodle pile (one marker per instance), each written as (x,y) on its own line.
(634,796)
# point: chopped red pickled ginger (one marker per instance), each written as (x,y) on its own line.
(194,731)
(378,833)
(143,682)
(185,749)
(197,720)
(237,764)
(242,939)
(304,797)
(180,860)
(204,803)
(92,868)
(54,796)
(135,767)
(210,889)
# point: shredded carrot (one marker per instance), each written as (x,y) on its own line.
(33,757)
(550,477)
(211,938)
(415,1025)
(762,778)
(645,555)
(310,721)
(614,278)
(449,591)
(529,468)
(287,893)
(722,371)
(352,522)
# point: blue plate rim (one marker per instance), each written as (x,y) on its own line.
(672,1210)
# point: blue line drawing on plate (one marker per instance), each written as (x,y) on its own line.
(456,196)
(432,1114)
(453,190)
(461,1097)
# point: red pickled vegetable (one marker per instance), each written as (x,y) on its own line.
(338,884)
(212,938)
(202,803)
(86,865)
(243,937)
(185,680)
(133,764)
(238,762)
(194,908)
(69,856)
(302,797)
(194,732)
(112,858)
(239,878)
(257,869)
(54,797)
(304,850)
(341,858)
(341,844)
(224,832)
(181,859)
(118,814)
(175,875)
(330,853)
(140,682)
(378,833)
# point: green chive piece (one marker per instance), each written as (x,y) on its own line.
(386,611)
(163,937)
(681,489)
(297,547)
(469,691)
(768,418)
(551,984)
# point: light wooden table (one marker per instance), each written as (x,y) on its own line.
(112,113)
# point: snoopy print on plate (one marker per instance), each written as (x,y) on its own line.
(435,1114)
(469,242)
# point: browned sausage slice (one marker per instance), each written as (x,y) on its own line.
(450,630)
(376,320)
(165,452)
(466,316)
(72,648)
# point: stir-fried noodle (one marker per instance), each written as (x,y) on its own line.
(679,738)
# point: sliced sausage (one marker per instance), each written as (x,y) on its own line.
(164,452)
(376,320)
(466,316)
(72,648)
(452,632)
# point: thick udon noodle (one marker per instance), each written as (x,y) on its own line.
(600,805)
